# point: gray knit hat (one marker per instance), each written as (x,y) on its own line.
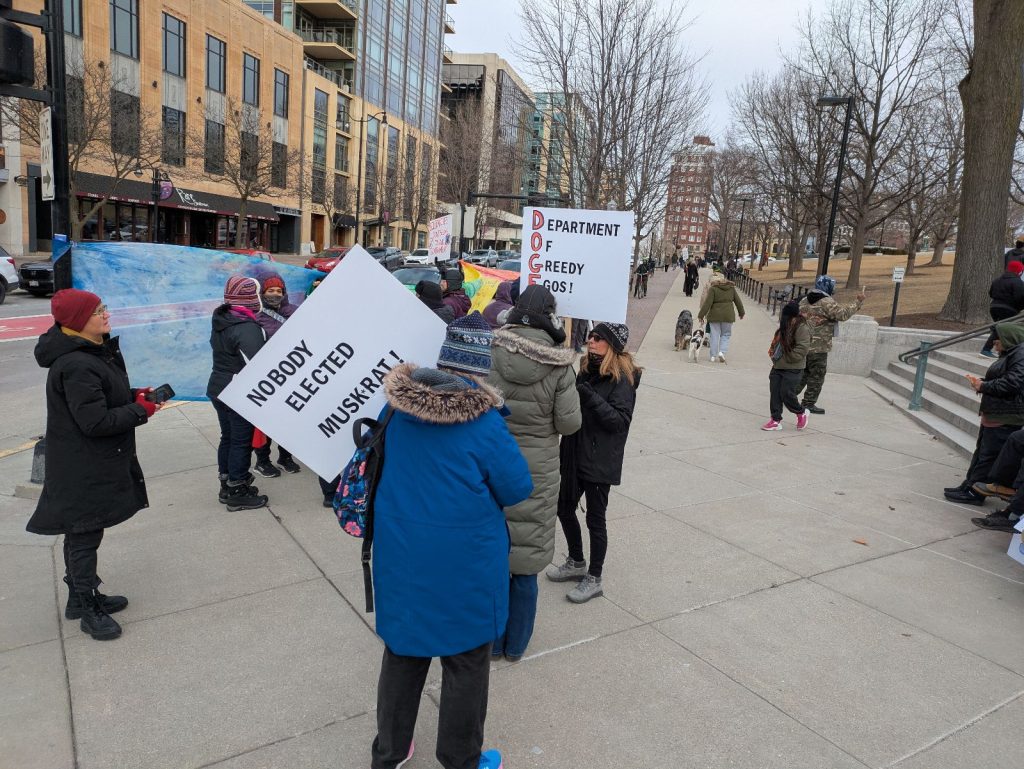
(467,346)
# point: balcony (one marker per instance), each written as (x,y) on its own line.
(447,55)
(328,43)
(335,77)
(335,10)
(449,25)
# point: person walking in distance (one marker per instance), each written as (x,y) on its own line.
(788,352)
(276,310)
(534,372)
(235,339)
(823,313)
(692,279)
(591,459)
(440,560)
(1007,293)
(718,307)
(93,478)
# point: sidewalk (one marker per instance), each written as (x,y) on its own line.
(773,601)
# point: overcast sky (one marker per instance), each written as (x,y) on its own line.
(737,36)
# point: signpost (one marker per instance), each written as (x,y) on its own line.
(897,278)
(47,186)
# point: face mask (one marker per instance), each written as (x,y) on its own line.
(271,300)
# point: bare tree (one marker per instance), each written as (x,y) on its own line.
(462,140)
(733,171)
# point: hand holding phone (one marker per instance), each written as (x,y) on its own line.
(161,394)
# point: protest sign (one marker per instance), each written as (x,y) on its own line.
(1016,550)
(324,368)
(439,239)
(582,256)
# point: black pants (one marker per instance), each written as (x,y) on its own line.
(80,559)
(597,525)
(329,487)
(998,313)
(263,452)
(460,725)
(990,442)
(1008,469)
(813,377)
(234,453)
(783,384)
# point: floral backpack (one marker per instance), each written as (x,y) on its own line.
(353,500)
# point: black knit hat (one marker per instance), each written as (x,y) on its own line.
(615,334)
(536,307)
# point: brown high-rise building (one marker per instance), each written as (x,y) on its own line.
(689,195)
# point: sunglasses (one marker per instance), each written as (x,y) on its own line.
(595,338)
(100,310)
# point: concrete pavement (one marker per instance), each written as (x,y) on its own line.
(772,600)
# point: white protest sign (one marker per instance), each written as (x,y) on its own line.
(323,369)
(583,257)
(439,240)
(1016,550)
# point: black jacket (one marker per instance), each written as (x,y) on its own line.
(1007,291)
(93,478)
(235,340)
(1002,390)
(596,451)
(1013,255)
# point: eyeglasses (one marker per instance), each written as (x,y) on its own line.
(100,310)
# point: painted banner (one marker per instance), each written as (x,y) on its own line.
(161,298)
(439,238)
(324,368)
(583,257)
(480,283)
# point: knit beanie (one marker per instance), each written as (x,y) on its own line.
(72,307)
(430,294)
(1015,267)
(453,277)
(826,284)
(615,334)
(274,281)
(467,346)
(242,291)
(536,307)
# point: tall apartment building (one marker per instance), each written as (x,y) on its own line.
(689,197)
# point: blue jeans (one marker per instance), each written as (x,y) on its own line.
(522,611)
(234,453)
(721,333)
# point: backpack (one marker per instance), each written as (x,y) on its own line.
(775,350)
(353,500)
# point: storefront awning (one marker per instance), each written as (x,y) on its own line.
(134,191)
(343,220)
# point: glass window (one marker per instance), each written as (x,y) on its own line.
(124,27)
(75,95)
(280,93)
(340,192)
(124,132)
(251,80)
(174,137)
(342,119)
(320,106)
(213,154)
(279,165)
(216,56)
(249,156)
(372,155)
(174,45)
(73,17)
(319,192)
(319,146)
(340,153)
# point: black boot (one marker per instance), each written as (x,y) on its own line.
(244,497)
(225,490)
(75,609)
(964,485)
(95,620)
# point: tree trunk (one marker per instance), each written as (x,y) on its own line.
(796,250)
(937,252)
(993,97)
(911,256)
(857,253)
(241,239)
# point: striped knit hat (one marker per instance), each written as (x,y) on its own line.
(467,346)
(242,291)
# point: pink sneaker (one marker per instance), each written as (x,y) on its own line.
(771,424)
(801,419)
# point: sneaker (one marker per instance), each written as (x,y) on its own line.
(721,357)
(1002,520)
(814,409)
(801,419)
(289,465)
(588,587)
(988,354)
(490,759)
(245,498)
(771,424)
(965,497)
(412,749)
(567,572)
(265,468)
(994,490)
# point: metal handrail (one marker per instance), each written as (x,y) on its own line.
(963,336)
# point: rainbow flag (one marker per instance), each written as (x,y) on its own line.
(481,283)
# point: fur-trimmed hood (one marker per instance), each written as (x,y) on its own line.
(525,355)
(438,406)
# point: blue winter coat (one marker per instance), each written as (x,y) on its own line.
(440,546)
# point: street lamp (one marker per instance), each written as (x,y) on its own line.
(835,101)
(739,238)
(359,174)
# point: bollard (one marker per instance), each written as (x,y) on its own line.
(34,488)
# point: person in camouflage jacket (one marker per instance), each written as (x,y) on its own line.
(822,313)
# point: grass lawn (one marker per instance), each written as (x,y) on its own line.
(921,297)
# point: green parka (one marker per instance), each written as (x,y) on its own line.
(539,386)
(717,306)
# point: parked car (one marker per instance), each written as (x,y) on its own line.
(419,256)
(510,264)
(328,259)
(486,257)
(9,280)
(508,253)
(389,256)
(266,255)
(410,276)
(37,278)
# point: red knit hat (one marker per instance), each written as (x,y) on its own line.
(1015,267)
(72,307)
(273,282)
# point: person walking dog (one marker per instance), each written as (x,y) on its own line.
(718,307)
(93,477)
(591,459)
(823,313)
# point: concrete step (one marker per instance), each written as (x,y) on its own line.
(951,436)
(967,362)
(956,390)
(953,372)
(955,414)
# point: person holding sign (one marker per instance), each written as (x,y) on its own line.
(534,372)
(591,459)
(440,564)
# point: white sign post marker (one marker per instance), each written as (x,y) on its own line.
(439,239)
(582,256)
(897,278)
(46,154)
(323,369)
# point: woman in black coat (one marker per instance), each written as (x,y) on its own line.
(692,278)
(591,459)
(93,478)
